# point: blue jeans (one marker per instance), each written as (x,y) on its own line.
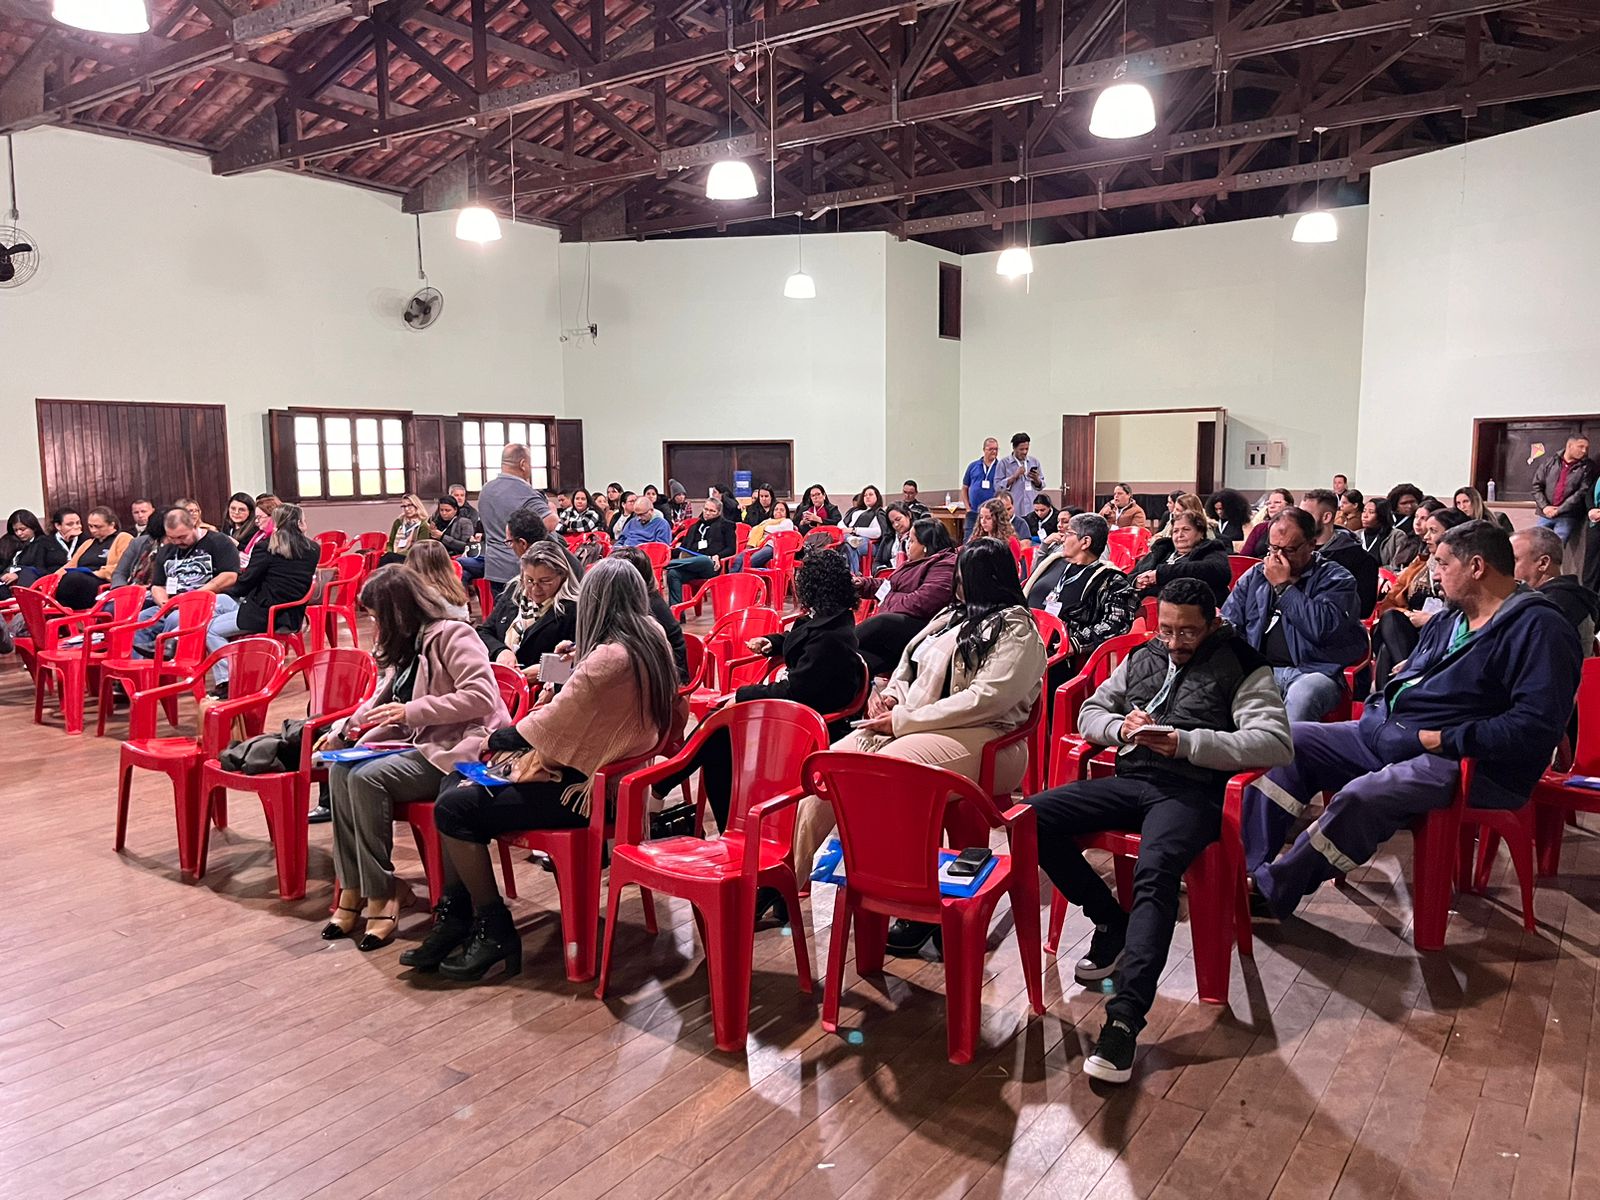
(223,629)
(1307,695)
(858,557)
(144,642)
(761,557)
(682,569)
(1565,527)
(471,567)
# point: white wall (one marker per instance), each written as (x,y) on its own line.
(161,282)
(923,398)
(697,342)
(1233,316)
(1483,285)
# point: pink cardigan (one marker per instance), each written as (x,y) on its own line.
(455,703)
(596,718)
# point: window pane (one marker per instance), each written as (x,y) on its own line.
(541,478)
(306,430)
(391,429)
(494,433)
(371,483)
(474,461)
(339,458)
(395,481)
(307,458)
(470,432)
(394,456)
(366,430)
(536,453)
(310,483)
(474,479)
(517,431)
(337,429)
(341,483)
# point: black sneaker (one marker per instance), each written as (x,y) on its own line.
(219,692)
(907,938)
(1112,1060)
(1104,957)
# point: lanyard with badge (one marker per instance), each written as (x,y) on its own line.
(988,476)
(1052,604)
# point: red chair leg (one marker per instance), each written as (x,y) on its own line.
(964,947)
(613,898)
(578,885)
(1549,827)
(103,704)
(1520,844)
(420,818)
(784,881)
(124,789)
(872,940)
(838,944)
(202,849)
(1025,918)
(286,822)
(40,673)
(72,684)
(1058,918)
(729,931)
(1433,871)
(652,922)
(507,875)
(219,811)
(1211,923)
(1488,848)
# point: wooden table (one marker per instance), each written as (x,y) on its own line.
(954,522)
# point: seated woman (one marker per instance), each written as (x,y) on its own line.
(265,505)
(1413,600)
(1349,513)
(891,549)
(93,562)
(22,531)
(437,692)
(241,522)
(1376,534)
(43,553)
(280,572)
(409,528)
(1470,501)
(675,506)
(1092,599)
(993,522)
(1232,513)
(1184,552)
(451,526)
(971,675)
(864,525)
(1278,499)
(536,613)
(759,507)
(777,522)
(581,517)
(908,599)
(620,516)
(1122,511)
(618,704)
(820,654)
(1042,520)
(192,507)
(815,509)
(660,610)
(432,562)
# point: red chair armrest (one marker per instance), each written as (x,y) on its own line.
(314,725)
(753,822)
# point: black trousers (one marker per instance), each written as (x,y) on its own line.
(714,760)
(1591,555)
(1394,638)
(1174,827)
(470,812)
(883,639)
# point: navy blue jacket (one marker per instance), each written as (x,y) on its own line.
(1503,699)
(1319,612)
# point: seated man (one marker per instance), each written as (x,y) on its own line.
(705,546)
(1538,552)
(1340,545)
(1212,710)
(645,524)
(1492,678)
(1019,525)
(1299,610)
(915,508)
(1094,600)
(189,561)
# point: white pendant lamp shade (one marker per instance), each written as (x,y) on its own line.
(477,224)
(730,179)
(800,286)
(103,16)
(1123,110)
(1014,261)
(1317,225)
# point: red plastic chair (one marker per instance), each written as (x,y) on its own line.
(253,663)
(287,638)
(1238,564)
(1051,630)
(338,680)
(890,814)
(1125,547)
(779,573)
(485,593)
(372,547)
(596,538)
(726,642)
(1553,801)
(834,533)
(576,856)
(331,543)
(727,593)
(1348,708)
(1442,855)
(186,641)
(1069,698)
(338,603)
(659,555)
(514,691)
(1024,559)
(1219,900)
(49,625)
(719,876)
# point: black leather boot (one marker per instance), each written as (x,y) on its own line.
(452,925)
(493,939)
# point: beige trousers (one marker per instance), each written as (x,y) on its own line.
(958,750)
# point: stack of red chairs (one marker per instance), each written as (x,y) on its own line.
(45,586)
(332,543)
(1125,547)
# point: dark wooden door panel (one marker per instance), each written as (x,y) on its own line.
(569,456)
(1077,461)
(770,463)
(113,452)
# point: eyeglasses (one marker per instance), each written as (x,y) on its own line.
(1180,636)
(1294,549)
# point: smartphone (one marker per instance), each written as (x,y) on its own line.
(860,723)
(554,669)
(970,861)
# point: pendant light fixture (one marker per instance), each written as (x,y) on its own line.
(103,16)
(1015,261)
(1317,225)
(799,286)
(1123,110)
(475,222)
(730,178)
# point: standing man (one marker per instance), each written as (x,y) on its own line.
(1186,711)
(501,496)
(1561,487)
(979,481)
(142,511)
(1021,477)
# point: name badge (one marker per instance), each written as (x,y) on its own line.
(883,591)
(988,484)
(704,542)
(1053,607)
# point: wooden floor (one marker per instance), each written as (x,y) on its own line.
(159,1039)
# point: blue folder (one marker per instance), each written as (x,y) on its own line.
(479,773)
(830,869)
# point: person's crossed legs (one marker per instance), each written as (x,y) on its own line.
(1307,695)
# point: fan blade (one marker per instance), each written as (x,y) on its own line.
(7,271)
(21,248)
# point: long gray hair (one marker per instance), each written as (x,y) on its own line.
(289,538)
(614,607)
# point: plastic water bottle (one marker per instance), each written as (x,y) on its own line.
(1491,490)
(947,501)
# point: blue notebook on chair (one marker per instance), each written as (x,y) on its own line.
(326,758)
(830,869)
(1590,782)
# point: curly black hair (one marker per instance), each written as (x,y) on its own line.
(824,584)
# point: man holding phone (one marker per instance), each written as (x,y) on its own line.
(1186,711)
